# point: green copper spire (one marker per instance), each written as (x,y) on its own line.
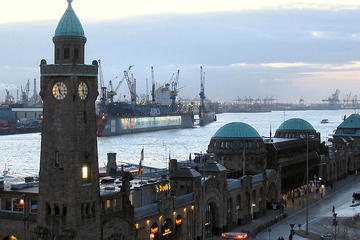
(69,25)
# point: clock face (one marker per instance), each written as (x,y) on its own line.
(83,90)
(59,90)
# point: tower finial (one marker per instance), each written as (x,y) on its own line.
(69,1)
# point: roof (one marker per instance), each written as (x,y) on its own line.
(236,130)
(184,199)
(296,124)
(212,166)
(350,127)
(69,25)
(353,121)
(185,172)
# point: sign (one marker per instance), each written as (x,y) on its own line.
(167,232)
(163,188)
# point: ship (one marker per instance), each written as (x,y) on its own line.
(206,114)
(161,113)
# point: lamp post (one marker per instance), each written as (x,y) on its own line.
(269,231)
(307,184)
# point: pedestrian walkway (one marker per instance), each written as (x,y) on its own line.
(310,235)
(292,207)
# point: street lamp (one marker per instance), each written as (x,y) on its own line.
(307,184)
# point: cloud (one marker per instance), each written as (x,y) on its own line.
(351,65)
(285,64)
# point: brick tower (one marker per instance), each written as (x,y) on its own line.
(69,197)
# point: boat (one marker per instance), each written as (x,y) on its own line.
(126,118)
(161,113)
(325,121)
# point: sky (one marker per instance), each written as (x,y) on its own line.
(281,49)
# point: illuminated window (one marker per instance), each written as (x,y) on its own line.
(108,203)
(85,172)
(18,204)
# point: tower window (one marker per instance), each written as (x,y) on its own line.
(57,160)
(85,172)
(76,53)
(85,117)
(56,209)
(66,53)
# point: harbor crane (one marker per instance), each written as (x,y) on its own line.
(9,99)
(152,86)
(103,93)
(24,98)
(334,98)
(174,88)
(113,92)
(202,91)
(131,82)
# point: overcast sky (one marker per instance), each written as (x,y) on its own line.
(285,49)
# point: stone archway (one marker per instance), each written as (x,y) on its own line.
(212,220)
(10,237)
(167,230)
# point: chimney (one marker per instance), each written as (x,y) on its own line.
(111,167)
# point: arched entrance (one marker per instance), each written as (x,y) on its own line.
(167,229)
(211,220)
(11,237)
(247,207)
(154,232)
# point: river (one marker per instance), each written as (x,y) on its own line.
(21,153)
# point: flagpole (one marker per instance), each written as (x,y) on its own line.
(244,162)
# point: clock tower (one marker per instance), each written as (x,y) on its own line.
(69,196)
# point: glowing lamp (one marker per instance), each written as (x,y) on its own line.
(152,236)
(147,222)
(154,230)
(185,210)
(22,202)
(178,221)
(174,213)
(192,207)
(137,226)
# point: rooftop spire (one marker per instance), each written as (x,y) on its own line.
(69,25)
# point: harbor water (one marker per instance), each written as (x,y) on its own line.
(21,153)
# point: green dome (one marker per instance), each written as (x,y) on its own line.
(236,130)
(296,124)
(349,127)
(353,121)
(69,25)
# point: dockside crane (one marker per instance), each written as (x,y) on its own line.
(174,89)
(202,92)
(333,99)
(152,86)
(9,99)
(131,82)
(112,92)
(25,93)
(103,94)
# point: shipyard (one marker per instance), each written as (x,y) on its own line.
(152,153)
